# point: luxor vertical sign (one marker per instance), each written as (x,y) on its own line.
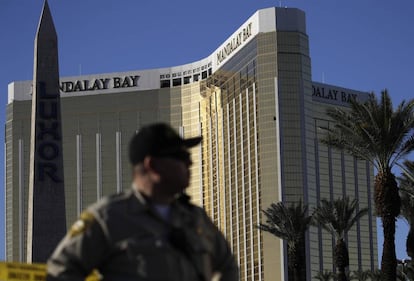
(48,136)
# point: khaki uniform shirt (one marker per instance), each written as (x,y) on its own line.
(125,239)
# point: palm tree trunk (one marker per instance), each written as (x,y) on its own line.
(294,265)
(410,242)
(302,255)
(341,259)
(298,277)
(387,203)
(389,259)
(341,275)
(292,274)
(297,261)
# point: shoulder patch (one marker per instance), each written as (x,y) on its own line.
(82,224)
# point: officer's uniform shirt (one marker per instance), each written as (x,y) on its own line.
(125,238)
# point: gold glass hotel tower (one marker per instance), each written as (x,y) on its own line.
(258,110)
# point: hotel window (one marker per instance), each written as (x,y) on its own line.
(165,84)
(204,75)
(176,82)
(187,80)
(196,77)
(321,126)
(210,71)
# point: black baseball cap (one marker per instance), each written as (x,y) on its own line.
(159,140)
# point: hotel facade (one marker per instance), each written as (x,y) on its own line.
(259,113)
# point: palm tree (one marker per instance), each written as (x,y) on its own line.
(360,275)
(408,171)
(375,132)
(407,203)
(402,273)
(405,271)
(375,275)
(324,276)
(290,223)
(337,217)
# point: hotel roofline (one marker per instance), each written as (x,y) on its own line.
(264,20)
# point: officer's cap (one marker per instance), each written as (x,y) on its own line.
(159,140)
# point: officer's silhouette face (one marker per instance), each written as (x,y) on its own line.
(173,171)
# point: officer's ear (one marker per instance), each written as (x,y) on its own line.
(148,164)
(151,167)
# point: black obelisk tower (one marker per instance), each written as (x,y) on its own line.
(46,211)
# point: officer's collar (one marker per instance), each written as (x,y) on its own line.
(180,214)
(141,197)
(139,202)
(142,203)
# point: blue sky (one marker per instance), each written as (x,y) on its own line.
(365,45)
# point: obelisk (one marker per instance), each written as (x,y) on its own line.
(46,211)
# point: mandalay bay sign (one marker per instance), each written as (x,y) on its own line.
(234,43)
(84,85)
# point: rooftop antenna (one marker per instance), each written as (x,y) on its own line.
(80,69)
(323,77)
(280,3)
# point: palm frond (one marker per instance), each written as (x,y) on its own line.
(338,216)
(375,275)
(360,275)
(407,191)
(324,275)
(373,130)
(286,222)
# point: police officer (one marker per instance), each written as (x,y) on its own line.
(151,232)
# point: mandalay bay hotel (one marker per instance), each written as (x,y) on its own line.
(254,103)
